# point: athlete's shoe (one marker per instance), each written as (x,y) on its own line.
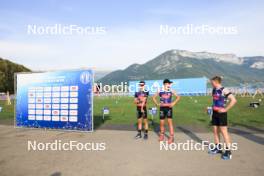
(146,136)
(215,151)
(227,155)
(161,137)
(138,136)
(171,139)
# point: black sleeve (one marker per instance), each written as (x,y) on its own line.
(135,95)
(147,93)
(228,94)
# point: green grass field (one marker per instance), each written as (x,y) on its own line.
(189,111)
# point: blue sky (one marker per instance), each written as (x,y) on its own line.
(132,30)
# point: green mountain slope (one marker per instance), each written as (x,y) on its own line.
(7,70)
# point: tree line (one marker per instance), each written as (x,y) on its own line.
(7,70)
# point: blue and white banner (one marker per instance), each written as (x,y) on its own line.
(55,100)
(188,86)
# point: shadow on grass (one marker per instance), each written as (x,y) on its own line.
(255,121)
(7,122)
(255,129)
(99,121)
(201,120)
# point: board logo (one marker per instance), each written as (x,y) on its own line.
(85,77)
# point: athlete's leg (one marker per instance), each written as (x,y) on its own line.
(146,124)
(162,129)
(217,148)
(216,132)
(162,123)
(224,132)
(145,128)
(145,117)
(171,129)
(139,128)
(140,123)
(170,124)
(227,155)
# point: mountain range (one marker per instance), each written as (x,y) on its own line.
(175,64)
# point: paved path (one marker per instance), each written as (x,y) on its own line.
(124,155)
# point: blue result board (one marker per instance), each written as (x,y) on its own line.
(55,100)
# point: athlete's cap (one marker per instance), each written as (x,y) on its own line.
(167,81)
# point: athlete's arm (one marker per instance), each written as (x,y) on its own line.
(135,99)
(230,105)
(154,99)
(143,103)
(232,99)
(176,100)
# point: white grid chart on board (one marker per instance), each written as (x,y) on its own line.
(57,103)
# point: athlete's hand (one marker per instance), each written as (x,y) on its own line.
(142,110)
(222,110)
(172,104)
(157,104)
